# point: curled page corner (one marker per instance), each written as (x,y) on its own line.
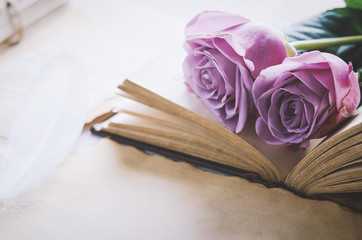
(47,125)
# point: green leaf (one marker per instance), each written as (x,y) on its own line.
(333,23)
(354,4)
(354,15)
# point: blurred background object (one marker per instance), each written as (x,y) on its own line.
(17,15)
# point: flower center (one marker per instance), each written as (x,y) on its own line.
(206,79)
(292,113)
(289,110)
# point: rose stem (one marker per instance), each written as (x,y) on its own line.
(326,42)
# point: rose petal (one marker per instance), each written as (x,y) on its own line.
(210,22)
(224,47)
(261,45)
(309,80)
(263,131)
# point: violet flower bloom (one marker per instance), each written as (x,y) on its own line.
(225,53)
(304,97)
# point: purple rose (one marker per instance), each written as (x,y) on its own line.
(225,53)
(304,97)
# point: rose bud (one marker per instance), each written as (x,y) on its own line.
(305,97)
(225,53)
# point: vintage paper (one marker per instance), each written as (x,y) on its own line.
(112,191)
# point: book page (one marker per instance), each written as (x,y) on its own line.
(349,132)
(204,126)
(346,179)
(141,123)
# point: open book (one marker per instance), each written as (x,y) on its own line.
(332,169)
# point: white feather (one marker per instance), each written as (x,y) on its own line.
(47,125)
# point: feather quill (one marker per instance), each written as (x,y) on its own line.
(47,125)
